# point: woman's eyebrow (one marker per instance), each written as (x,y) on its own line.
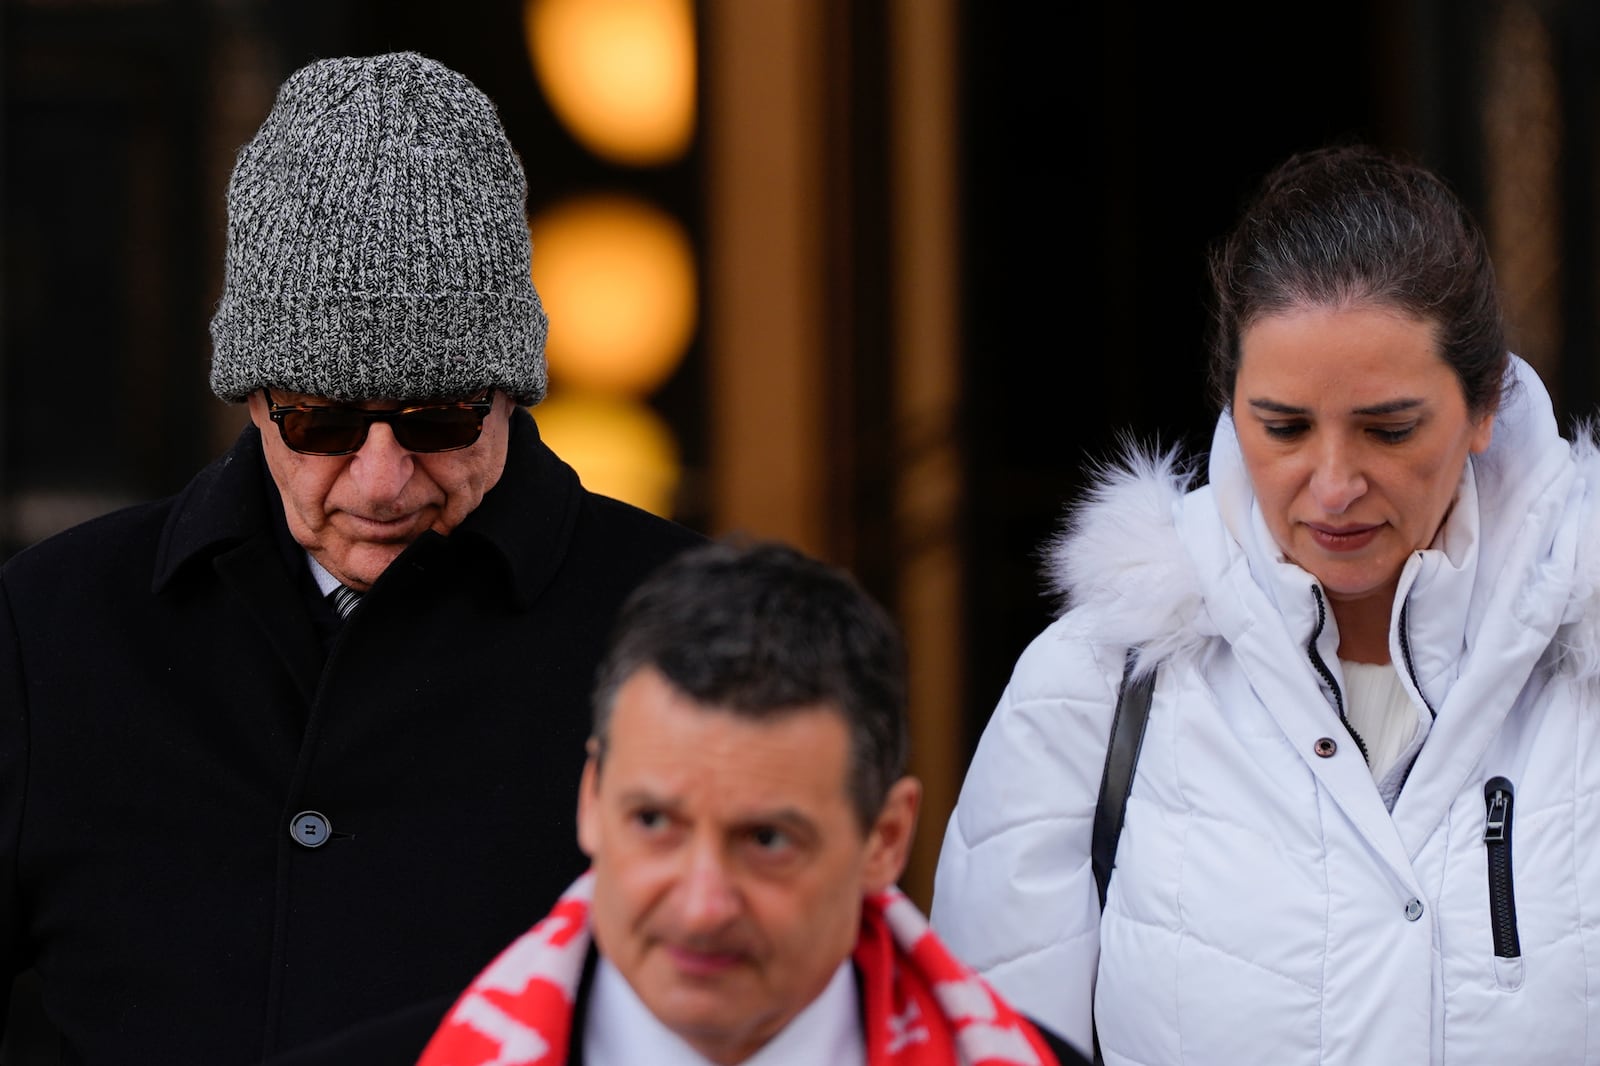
(1387,407)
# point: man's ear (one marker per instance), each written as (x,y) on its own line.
(589,804)
(257,405)
(889,843)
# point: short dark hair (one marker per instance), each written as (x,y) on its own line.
(760,629)
(1348,225)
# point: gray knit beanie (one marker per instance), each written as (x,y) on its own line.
(378,242)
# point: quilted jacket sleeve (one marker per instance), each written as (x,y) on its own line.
(1014,893)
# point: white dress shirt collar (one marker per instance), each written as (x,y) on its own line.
(619,1029)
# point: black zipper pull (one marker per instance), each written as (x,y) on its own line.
(1497,798)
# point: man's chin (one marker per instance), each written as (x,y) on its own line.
(715,1025)
(361,564)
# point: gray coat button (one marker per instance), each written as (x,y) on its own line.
(310,829)
(1413,909)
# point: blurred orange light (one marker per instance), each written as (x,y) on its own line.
(619,73)
(619,446)
(617,276)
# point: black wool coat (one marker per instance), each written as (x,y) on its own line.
(168,708)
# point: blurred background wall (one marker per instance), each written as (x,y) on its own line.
(876,277)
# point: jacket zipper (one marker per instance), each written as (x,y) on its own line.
(1411,672)
(1327,675)
(1497,794)
(1405,655)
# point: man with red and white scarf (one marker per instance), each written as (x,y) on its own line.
(747,813)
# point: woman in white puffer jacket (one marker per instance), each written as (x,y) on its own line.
(1376,637)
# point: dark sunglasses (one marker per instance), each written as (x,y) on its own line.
(327,429)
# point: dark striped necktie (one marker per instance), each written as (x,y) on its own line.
(344,600)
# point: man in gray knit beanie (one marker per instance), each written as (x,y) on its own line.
(378,259)
(292,752)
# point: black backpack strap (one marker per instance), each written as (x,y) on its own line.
(1116,781)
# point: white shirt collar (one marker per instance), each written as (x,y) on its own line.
(619,1029)
(325,581)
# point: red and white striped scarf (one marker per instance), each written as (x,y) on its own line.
(922,1007)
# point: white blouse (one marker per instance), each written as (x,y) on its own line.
(1391,726)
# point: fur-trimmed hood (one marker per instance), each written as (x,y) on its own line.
(1119,553)
(1149,546)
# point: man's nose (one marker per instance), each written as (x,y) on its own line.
(710,896)
(381,467)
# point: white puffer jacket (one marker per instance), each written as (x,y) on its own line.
(1267,906)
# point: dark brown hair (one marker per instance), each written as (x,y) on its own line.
(1349,225)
